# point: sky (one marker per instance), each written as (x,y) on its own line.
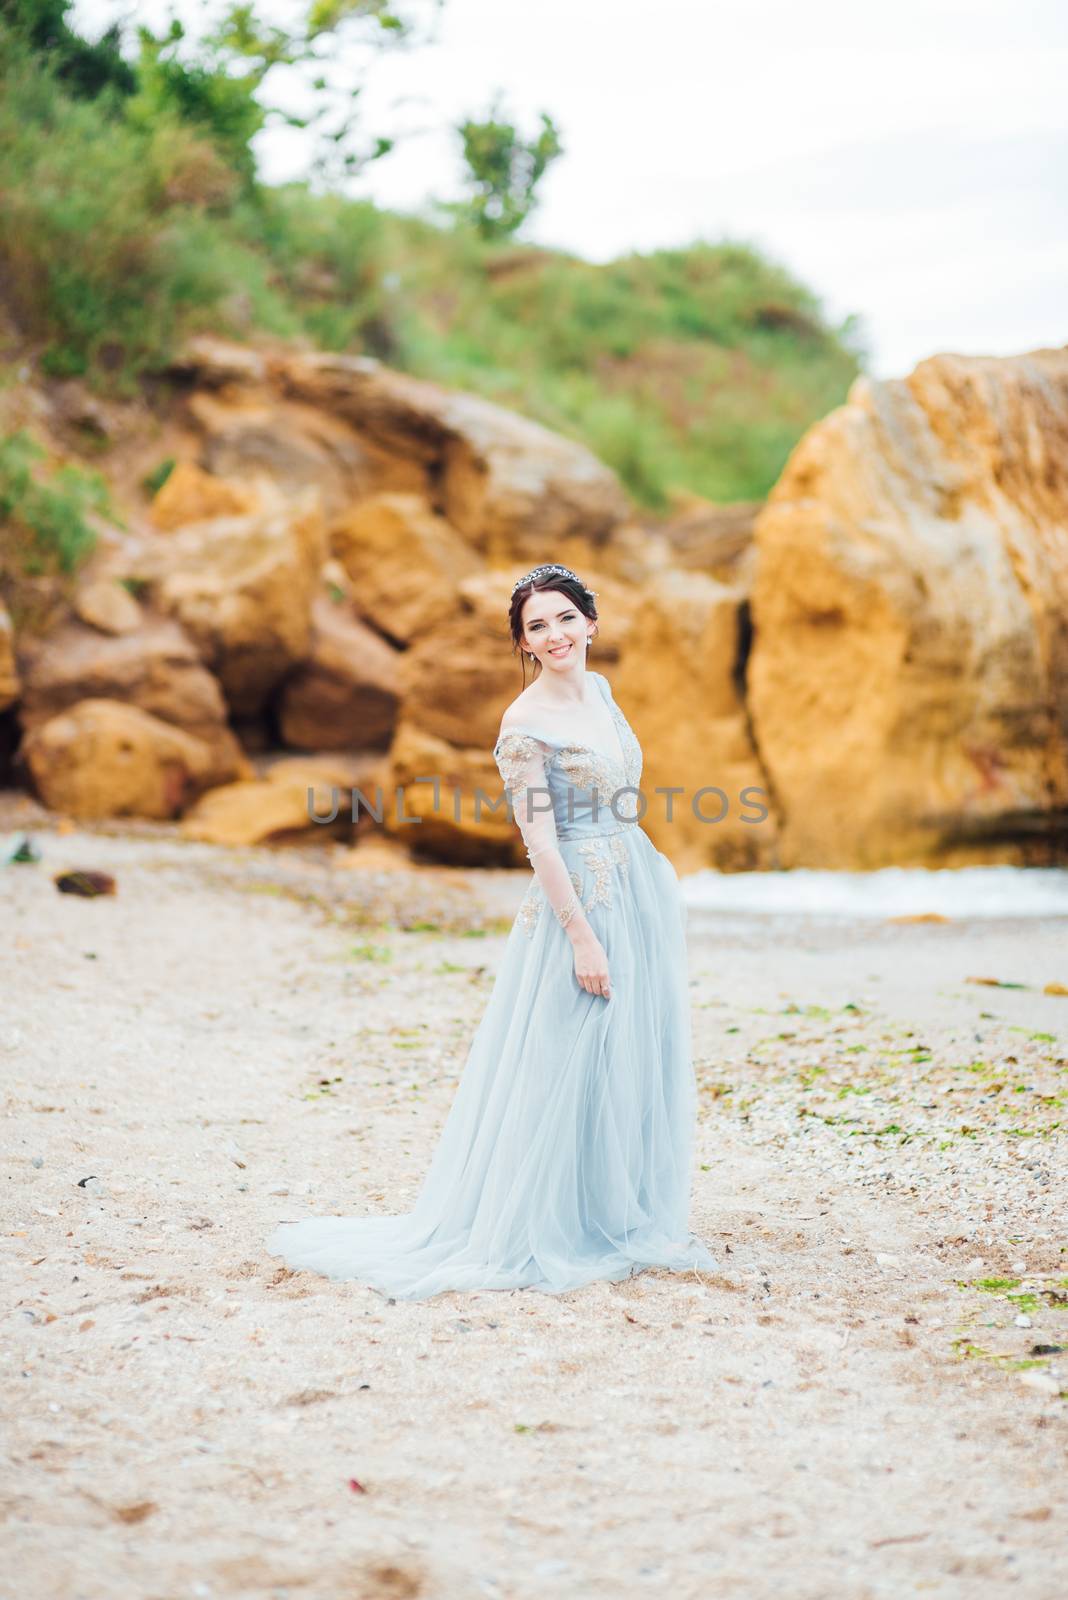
(907,162)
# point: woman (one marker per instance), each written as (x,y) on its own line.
(566,1154)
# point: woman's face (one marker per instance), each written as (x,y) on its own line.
(555,629)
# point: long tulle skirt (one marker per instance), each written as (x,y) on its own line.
(566,1155)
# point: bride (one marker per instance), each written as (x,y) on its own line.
(566,1155)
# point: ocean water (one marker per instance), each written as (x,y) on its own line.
(889,892)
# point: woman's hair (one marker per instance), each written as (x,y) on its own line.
(551,577)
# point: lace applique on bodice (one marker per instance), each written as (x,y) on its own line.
(574,775)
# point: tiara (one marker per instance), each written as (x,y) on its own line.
(539,572)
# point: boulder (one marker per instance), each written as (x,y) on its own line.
(705,536)
(909,677)
(345,695)
(9,677)
(452,792)
(404,562)
(680,684)
(155,669)
(513,489)
(274,808)
(633,557)
(326,770)
(296,446)
(242,588)
(102,758)
(457,679)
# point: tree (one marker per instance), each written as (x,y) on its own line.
(316,50)
(503,171)
(216,79)
(86,70)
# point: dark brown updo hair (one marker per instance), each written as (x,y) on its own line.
(548,577)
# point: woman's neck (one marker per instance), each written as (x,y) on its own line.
(569,692)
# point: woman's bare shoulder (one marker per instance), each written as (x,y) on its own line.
(527,710)
(521,709)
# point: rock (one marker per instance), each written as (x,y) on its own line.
(9,678)
(257,811)
(192,495)
(486,838)
(252,430)
(347,423)
(632,558)
(345,695)
(404,562)
(109,607)
(457,678)
(242,588)
(910,609)
(512,489)
(705,536)
(88,884)
(295,446)
(156,668)
(328,769)
(102,758)
(221,361)
(680,682)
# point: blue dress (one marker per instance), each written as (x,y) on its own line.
(566,1155)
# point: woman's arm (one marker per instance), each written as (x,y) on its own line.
(522,760)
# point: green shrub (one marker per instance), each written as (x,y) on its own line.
(53,512)
(112,249)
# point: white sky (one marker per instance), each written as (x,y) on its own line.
(908,162)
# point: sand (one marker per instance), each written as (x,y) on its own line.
(851,1408)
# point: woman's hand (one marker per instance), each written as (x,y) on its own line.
(591,964)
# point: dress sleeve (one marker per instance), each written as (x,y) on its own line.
(522,760)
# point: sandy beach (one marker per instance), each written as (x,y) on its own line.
(860,1405)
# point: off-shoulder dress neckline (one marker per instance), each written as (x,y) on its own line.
(561,742)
